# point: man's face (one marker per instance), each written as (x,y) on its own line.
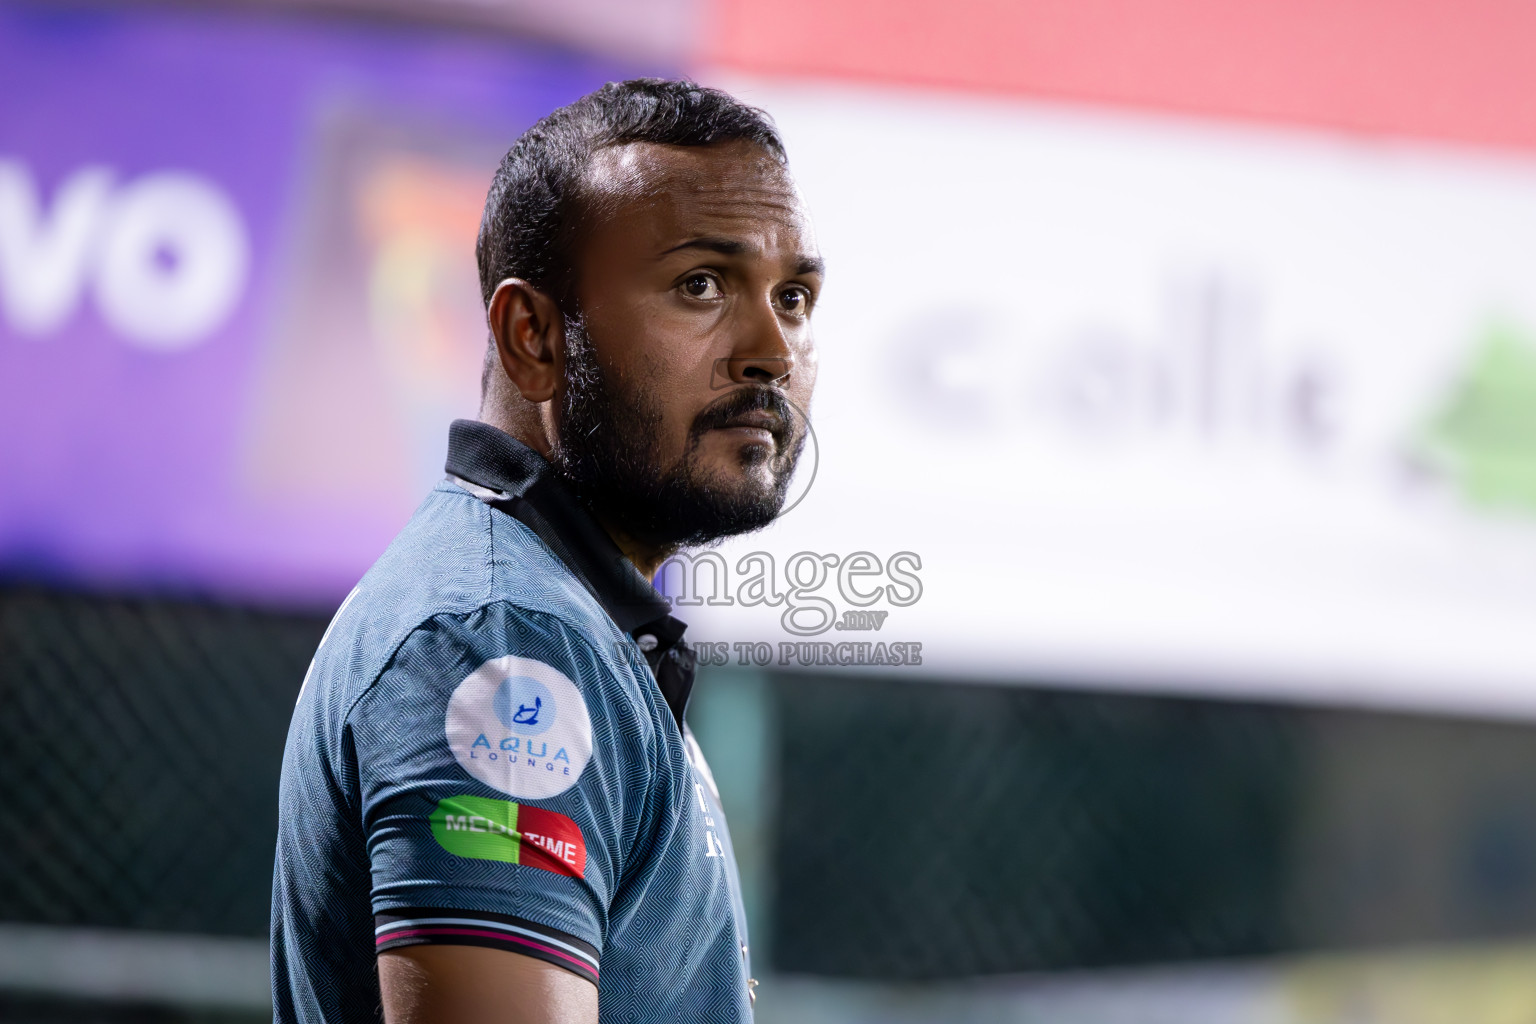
(690,364)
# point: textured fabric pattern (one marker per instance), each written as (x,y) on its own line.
(384,812)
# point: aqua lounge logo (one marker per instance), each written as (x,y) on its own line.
(520,726)
(520,705)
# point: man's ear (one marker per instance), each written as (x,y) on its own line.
(530,338)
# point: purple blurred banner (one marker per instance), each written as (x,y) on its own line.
(238,303)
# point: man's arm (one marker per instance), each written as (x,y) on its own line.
(437,984)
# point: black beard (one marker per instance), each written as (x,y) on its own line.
(609,453)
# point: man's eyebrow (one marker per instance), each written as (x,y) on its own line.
(732,247)
(725,246)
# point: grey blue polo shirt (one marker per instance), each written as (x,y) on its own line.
(489,749)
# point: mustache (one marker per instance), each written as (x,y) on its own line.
(743,400)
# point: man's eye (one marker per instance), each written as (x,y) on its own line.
(701,286)
(795,300)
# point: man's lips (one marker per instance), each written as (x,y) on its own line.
(751,416)
(766,426)
(759,418)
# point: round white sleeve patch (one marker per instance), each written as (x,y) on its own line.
(520,726)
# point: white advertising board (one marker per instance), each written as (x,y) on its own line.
(1157,404)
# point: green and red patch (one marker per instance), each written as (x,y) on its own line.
(473,826)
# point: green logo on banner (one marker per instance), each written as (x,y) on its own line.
(473,826)
(1483,438)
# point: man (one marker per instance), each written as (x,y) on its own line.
(489,779)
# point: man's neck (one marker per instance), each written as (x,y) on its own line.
(647,558)
(523,422)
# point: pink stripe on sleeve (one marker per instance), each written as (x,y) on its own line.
(482,933)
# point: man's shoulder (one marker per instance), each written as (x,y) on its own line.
(463,569)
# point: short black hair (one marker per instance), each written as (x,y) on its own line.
(533,206)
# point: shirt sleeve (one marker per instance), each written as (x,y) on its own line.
(504,768)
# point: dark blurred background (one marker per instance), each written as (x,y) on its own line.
(1178,398)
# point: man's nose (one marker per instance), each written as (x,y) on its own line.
(762,356)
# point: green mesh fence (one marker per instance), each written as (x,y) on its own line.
(140,745)
(926,831)
(909,830)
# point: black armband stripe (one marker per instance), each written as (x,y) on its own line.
(448,927)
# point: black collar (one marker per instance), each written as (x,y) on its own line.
(512,478)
